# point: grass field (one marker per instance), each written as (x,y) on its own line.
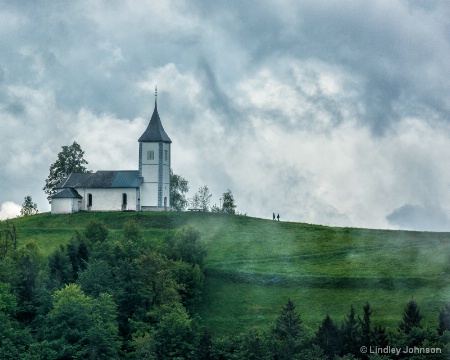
(253,266)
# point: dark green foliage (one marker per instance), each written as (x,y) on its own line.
(13,339)
(228,205)
(60,268)
(411,318)
(69,160)
(8,238)
(178,190)
(379,337)
(288,324)
(255,345)
(204,348)
(328,338)
(80,327)
(95,232)
(186,246)
(78,254)
(351,335)
(28,207)
(365,324)
(444,319)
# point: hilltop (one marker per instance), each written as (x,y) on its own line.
(254,265)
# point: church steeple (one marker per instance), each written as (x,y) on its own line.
(154,165)
(155,131)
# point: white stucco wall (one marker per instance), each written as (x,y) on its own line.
(108,199)
(64,206)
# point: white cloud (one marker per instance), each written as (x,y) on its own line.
(9,210)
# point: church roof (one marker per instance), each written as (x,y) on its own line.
(103,179)
(67,193)
(155,131)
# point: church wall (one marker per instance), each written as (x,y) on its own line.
(64,206)
(108,199)
(149,194)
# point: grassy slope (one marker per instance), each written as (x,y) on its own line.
(253,266)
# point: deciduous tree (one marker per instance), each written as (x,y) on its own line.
(178,189)
(28,207)
(228,206)
(70,159)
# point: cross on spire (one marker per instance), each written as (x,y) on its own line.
(156,93)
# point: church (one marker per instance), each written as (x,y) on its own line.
(145,189)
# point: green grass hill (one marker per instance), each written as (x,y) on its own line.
(253,266)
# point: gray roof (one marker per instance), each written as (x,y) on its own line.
(67,193)
(155,131)
(103,179)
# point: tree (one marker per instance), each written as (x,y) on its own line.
(444,319)
(228,202)
(328,337)
(178,189)
(287,332)
(70,160)
(28,207)
(351,335)
(411,317)
(201,199)
(79,327)
(366,330)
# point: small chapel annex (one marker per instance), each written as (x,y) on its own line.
(145,189)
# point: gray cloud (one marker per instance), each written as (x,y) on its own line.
(417,217)
(329,105)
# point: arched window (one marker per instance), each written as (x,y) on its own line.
(89,204)
(124,201)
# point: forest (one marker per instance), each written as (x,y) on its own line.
(125,295)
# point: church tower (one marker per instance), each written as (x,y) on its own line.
(154,165)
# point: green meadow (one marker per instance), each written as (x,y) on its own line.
(253,266)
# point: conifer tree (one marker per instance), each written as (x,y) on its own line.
(328,337)
(411,317)
(444,319)
(351,334)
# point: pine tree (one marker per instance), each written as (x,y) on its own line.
(351,335)
(288,324)
(444,319)
(328,337)
(411,317)
(365,326)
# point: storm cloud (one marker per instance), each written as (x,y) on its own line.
(327,112)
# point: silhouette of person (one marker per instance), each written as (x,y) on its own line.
(278,217)
(274,216)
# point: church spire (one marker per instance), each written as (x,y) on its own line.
(155,131)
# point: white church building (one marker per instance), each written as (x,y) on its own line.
(145,189)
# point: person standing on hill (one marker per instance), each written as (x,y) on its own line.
(278,217)
(274,216)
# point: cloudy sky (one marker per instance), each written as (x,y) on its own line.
(329,112)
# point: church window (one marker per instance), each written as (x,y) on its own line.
(150,155)
(89,200)
(166,154)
